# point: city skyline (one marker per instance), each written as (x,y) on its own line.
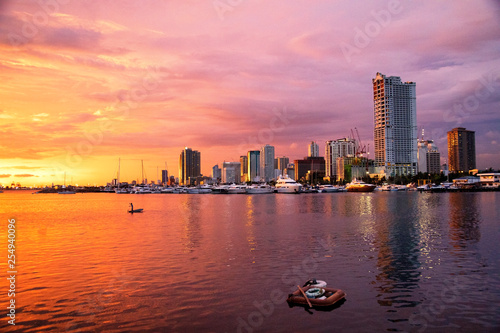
(86,83)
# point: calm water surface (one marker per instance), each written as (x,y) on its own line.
(225,263)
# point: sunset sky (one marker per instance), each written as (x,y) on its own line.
(84,83)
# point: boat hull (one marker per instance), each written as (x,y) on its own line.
(260,190)
(333,296)
(289,189)
(362,188)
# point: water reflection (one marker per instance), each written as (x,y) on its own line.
(250,225)
(464,219)
(191,209)
(397,241)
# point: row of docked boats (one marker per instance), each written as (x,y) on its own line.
(283,185)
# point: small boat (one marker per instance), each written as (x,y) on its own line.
(316,296)
(132,210)
(67,192)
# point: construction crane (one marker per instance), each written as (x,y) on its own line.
(360,148)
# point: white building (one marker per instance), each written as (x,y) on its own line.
(428,157)
(313,149)
(489,179)
(395,133)
(333,150)
(231,172)
(267,163)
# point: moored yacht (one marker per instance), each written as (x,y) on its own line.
(327,188)
(167,190)
(359,186)
(205,189)
(260,189)
(141,189)
(221,189)
(179,189)
(287,185)
(237,189)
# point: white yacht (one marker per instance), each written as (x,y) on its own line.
(205,189)
(237,189)
(328,188)
(260,189)
(221,189)
(141,189)
(287,185)
(389,188)
(167,190)
(193,190)
(121,190)
(179,189)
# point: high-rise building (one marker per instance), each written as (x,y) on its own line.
(335,149)
(216,172)
(189,166)
(315,166)
(231,172)
(461,150)
(164,176)
(429,159)
(244,168)
(253,157)
(313,149)
(282,163)
(395,133)
(267,163)
(290,171)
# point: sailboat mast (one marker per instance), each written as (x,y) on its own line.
(142,163)
(118,172)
